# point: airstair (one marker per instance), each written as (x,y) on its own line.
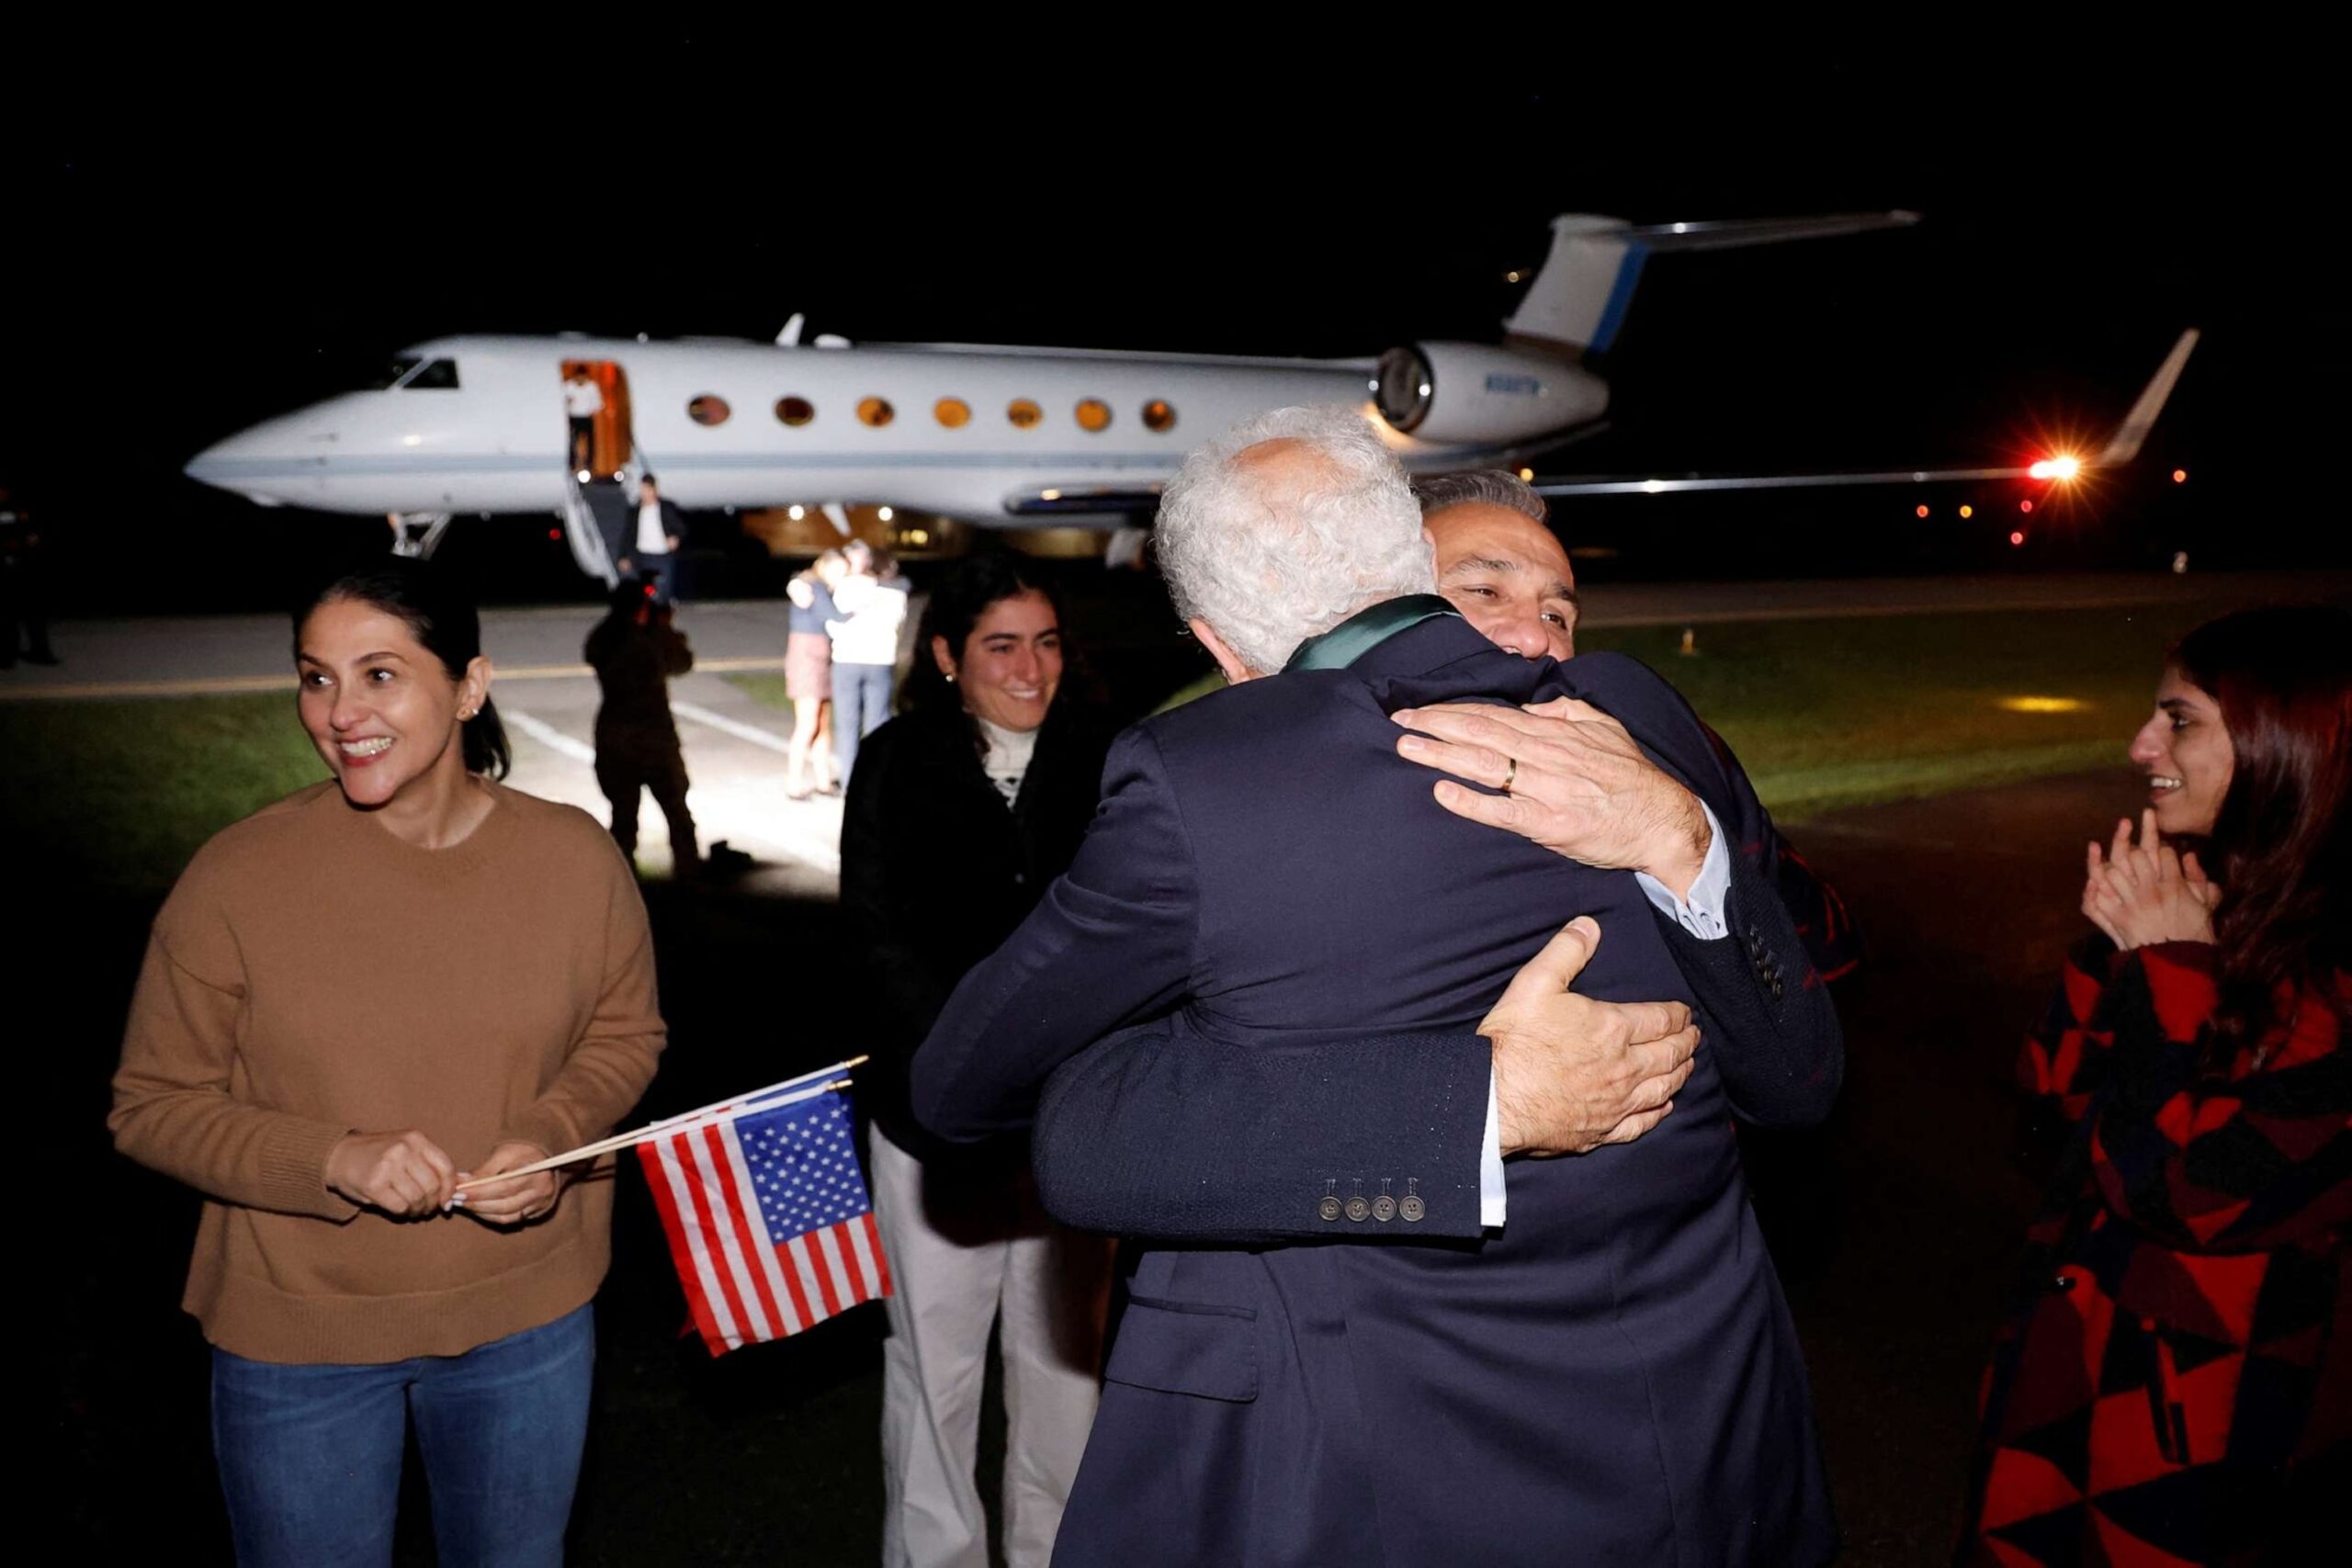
(599,512)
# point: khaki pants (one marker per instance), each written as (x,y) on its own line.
(962,1257)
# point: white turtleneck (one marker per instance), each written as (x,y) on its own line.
(1008,758)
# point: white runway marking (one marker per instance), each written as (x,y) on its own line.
(548,736)
(727,806)
(735,728)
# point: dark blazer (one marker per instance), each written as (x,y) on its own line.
(936,871)
(1609,1379)
(1134,1135)
(620,531)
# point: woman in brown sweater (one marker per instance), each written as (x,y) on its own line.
(353,1000)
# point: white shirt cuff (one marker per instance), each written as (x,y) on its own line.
(1492,1198)
(1700,913)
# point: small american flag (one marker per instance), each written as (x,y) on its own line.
(768,1220)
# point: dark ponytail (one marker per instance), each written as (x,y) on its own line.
(423,598)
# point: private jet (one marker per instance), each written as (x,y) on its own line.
(993,437)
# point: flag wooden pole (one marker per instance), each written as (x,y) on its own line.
(684,1122)
(757,1093)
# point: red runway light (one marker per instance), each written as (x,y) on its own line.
(555,533)
(2024,506)
(2180,476)
(1922,511)
(2018,537)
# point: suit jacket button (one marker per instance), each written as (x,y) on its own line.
(1384,1208)
(1412,1208)
(1328,1210)
(1358,1208)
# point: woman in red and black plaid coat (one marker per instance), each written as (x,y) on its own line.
(2175,1384)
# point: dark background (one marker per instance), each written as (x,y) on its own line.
(215,233)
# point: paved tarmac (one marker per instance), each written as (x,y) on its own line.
(735,745)
(198,655)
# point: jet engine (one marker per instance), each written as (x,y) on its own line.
(1475,392)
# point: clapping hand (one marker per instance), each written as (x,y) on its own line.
(2146,893)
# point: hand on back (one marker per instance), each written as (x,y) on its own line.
(1574,782)
(1572,1073)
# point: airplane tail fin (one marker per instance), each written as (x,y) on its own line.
(1580,295)
(2124,444)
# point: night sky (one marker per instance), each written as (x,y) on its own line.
(200,248)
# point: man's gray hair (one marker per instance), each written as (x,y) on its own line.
(1486,487)
(1269,563)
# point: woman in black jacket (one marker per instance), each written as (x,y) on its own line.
(960,812)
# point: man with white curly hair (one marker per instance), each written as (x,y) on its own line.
(1284,526)
(1592,1364)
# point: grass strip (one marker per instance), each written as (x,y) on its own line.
(121,794)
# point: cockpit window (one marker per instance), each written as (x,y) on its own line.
(394,373)
(437,375)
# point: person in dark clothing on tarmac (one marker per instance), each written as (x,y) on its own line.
(635,651)
(24,597)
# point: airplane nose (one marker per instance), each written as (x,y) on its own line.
(256,463)
(210,467)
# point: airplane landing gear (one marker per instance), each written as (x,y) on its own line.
(417,534)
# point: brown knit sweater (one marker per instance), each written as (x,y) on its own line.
(312,976)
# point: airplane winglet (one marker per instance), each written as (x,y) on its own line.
(2124,444)
(790,336)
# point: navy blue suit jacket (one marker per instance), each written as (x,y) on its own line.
(1138,1137)
(1610,1379)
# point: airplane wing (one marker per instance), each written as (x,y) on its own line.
(2121,449)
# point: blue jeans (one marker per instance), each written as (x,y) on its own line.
(861,704)
(310,1455)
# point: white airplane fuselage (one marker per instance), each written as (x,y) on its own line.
(960,439)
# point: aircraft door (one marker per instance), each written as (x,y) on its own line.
(595,403)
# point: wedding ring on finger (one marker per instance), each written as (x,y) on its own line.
(1510,772)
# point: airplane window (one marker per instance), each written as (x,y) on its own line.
(875,412)
(708,409)
(1160,416)
(1023,413)
(1094,415)
(438,375)
(795,411)
(953,412)
(393,373)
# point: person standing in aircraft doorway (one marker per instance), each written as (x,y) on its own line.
(583,401)
(654,543)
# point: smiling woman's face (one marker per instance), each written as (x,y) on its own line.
(2186,753)
(376,702)
(1011,664)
